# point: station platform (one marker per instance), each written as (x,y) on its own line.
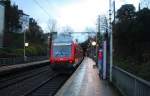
(11,68)
(85,81)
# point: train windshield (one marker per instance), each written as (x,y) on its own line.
(62,50)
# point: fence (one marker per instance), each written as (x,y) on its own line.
(19,60)
(128,84)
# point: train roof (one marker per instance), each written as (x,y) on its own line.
(63,38)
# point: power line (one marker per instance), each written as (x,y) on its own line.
(48,2)
(42,8)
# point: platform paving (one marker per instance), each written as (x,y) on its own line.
(86,82)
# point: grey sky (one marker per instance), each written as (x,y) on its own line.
(78,14)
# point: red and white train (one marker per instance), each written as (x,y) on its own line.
(65,53)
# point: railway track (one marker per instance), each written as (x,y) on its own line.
(42,80)
(13,79)
(49,87)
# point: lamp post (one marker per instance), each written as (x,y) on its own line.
(24,48)
(94,44)
(48,45)
(25,45)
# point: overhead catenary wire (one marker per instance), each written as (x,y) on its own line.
(48,2)
(37,3)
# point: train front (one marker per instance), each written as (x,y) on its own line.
(62,54)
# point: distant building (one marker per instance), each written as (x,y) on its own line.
(24,18)
(8,38)
(24,22)
(2,17)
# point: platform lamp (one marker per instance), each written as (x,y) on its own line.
(94,43)
(25,45)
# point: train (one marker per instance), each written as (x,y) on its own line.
(65,53)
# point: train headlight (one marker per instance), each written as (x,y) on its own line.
(51,61)
(70,61)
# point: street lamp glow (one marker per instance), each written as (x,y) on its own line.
(93,43)
(26,44)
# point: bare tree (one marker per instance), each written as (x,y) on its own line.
(52,25)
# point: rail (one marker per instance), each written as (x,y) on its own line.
(129,84)
(19,60)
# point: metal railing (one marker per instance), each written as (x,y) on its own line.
(19,60)
(129,84)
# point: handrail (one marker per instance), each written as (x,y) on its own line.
(129,84)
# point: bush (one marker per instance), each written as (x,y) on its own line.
(36,50)
(144,71)
(127,63)
(42,50)
(140,70)
(31,51)
(6,53)
(2,52)
(19,52)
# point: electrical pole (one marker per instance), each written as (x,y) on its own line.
(97,43)
(99,23)
(24,46)
(111,55)
(114,11)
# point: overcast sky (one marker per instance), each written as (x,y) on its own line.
(78,14)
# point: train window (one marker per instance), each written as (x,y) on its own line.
(62,50)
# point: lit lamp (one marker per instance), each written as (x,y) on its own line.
(93,43)
(26,45)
